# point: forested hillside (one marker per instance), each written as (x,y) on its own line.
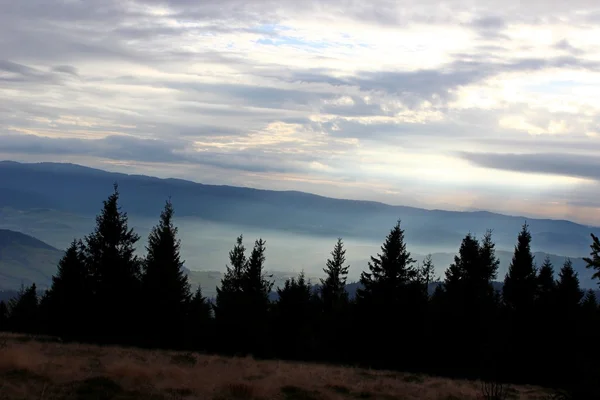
(537,329)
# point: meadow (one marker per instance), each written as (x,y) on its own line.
(38,368)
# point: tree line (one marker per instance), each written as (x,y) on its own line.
(539,329)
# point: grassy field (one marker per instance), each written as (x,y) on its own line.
(32,369)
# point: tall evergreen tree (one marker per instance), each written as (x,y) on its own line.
(568,292)
(3,316)
(545,283)
(568,323)
(520,282)
(256,288)
(333,287)
(229,307)
(115,274)
(545,326)
(427,273)
(390,272)
(593,262)
(199,323)
(294,319)
(23,310)
(391,293)
(67,302)
(165,286)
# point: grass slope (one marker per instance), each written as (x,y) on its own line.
(25,259)
(34,370)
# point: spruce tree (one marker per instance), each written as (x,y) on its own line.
(390,272)
(567,316)
(115,275)
(593,262)
(333,287)
(256,288)
(568,292)
(391,304)
(229,307)
(67,301)
(294,313)
(199,322)
(520,281)
(545,285)
(165,286)
(427,273)
(3,316)
(545,322)
(23,310)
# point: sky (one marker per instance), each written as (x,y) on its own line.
(457,105)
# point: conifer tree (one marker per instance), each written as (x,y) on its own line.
(199,322)
(593,262)
(23,310)
(115,274)
(545,321)
(229,307)
(3,316)
(568,322)
(390,294)
(590,304)
(520,281)
(67,301)
(489,261)
(333,287)
(427,272)
(390,271)
(165,286)
(295,310)
(545,285)
(568,292)
(256,288)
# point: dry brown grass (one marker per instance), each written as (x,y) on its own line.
(46,370)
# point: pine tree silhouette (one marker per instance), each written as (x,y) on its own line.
(391,293)
(115,275)
(229,307)
(593,262)
(295,310)
(165,286)
(427,273)
(568,292)
(23,310)
(520,283)
(199,322)
(333,288)
(568,323)
(67,302)
(256,288)
(545,284)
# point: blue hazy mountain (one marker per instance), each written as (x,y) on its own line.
(80,190)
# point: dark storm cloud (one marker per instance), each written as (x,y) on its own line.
(580,166)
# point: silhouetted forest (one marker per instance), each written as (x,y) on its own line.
(539,329)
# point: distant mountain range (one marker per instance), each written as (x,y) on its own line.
(79,191)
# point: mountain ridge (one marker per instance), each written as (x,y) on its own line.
(83,168)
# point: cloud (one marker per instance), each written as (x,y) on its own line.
(332,96)
(580,166)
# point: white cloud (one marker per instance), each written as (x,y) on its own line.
(346,98)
